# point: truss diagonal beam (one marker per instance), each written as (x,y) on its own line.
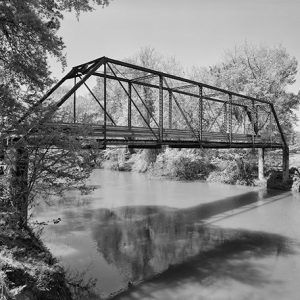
(139,96)
(128,95)
(183,114)
(182,79)
(216,117)
(165,88)
(46,96)
(48,115)
(96,99)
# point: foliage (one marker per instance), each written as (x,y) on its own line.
(182,164)
(258,71)
(238,170)
(141,162)
(56,162)
(116,159)
(27,268)
(296,180)
(29,34)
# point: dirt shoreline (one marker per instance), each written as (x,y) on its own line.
(28,271)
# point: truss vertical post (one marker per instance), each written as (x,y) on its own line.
(161,107)
(74,103)
(170,109)
(129,106)
(271,126)
(105,102)
(244,117)
(200,113)
(256,116)
(253,121)
(225,125)
(230,118)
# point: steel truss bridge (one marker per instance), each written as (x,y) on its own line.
(155,109)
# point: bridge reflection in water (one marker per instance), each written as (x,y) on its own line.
(167,248)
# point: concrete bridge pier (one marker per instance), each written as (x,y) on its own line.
(285,164)
(261,162)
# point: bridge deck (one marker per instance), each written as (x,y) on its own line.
(143,137)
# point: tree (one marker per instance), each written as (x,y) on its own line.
(29,34)
(258,71)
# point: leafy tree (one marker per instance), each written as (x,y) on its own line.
(148,57)
(29,34)
(258,71)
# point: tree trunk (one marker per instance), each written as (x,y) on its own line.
(19,162)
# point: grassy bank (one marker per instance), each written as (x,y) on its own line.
(27,269)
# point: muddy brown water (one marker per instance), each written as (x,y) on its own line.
(162,239)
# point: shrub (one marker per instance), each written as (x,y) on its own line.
(117,159)
(237,171)
(139,162)
(182,164)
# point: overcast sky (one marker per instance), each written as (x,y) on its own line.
(196,32)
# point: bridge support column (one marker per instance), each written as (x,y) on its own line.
(285,164)
(18,159)
(261,162)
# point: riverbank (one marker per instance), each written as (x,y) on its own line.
(221,166)
(218,166)
(28,271)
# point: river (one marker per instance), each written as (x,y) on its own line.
(164,239)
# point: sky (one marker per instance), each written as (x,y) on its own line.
(196,32)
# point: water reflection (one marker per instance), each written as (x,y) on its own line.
(124,245)
(144,247)
(234,259)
